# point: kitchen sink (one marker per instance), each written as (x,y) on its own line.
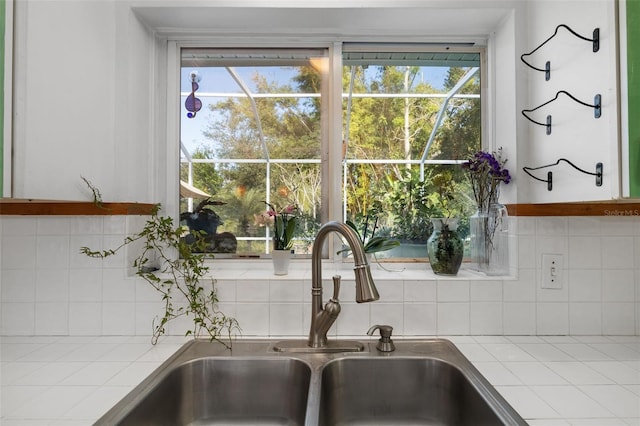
(400,391)
(423,382)
(225,391)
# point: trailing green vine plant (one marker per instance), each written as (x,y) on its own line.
(95,193)
(174,267)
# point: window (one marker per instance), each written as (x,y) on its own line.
(263,132)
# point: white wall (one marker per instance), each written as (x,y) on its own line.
(83,77)
(89,87)
(91,82)
(576,134)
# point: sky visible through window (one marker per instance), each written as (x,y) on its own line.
(218,80)
(387,138)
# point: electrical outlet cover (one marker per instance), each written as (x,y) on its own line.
(552,270)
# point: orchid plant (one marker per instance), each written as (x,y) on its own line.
(283,223)
(486,172)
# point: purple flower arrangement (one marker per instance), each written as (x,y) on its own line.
(486,172)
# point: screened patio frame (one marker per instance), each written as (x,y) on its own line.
(186,156)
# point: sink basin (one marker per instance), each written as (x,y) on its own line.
(427,381)
(214,391)
(400,391)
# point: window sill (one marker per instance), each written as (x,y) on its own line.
(301,270)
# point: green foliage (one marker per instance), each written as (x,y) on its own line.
(291,129)
(447,198)
(95,192)
(371,243)
(181,273)
(205,175)
(409,210)
(380,128)
(377,131)
(410,203)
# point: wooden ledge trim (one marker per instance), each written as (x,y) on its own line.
(11,206)
(596,208)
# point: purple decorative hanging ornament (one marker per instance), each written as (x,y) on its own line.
(193,104)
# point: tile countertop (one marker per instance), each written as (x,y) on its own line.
(549,380)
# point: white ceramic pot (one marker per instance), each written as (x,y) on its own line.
(281,259)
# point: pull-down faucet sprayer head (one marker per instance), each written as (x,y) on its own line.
(365,288)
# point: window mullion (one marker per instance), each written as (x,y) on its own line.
(332,143)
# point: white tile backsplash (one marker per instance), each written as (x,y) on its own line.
(285,319)
(485,291)
(618,285)
(519,318)
(18,285)
(52,285)
(585,285)
(552,318)
(85,285)
(354,319)
(584,225)
(116,287)
(453,291)
(585,252)
(386,313)
(585,318)
(485,318)
(618,318)
(46,225)
(48,287)
(617,252)
(18,251)
(85,319)
(52,251)
(453,318)
(420,319)
(420,291)
(51,318)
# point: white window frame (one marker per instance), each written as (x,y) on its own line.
(331,136)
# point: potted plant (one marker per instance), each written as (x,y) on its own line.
(284,226)
(205,220)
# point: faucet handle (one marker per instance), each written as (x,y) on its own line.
(385,344)
(336,287)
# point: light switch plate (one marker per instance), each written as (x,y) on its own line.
(552,269)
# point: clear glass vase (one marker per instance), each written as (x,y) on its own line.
(488,230)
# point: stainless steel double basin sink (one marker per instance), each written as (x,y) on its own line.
(423,382)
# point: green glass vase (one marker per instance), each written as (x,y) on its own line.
(445,247)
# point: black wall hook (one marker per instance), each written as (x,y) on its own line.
(597,108)
(547,68)
(549,180)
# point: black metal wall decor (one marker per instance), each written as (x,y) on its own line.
(547,68)
(597,108)
(549,180)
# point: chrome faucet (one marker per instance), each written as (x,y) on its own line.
(323,318)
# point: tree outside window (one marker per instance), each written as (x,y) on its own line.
(260,138)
